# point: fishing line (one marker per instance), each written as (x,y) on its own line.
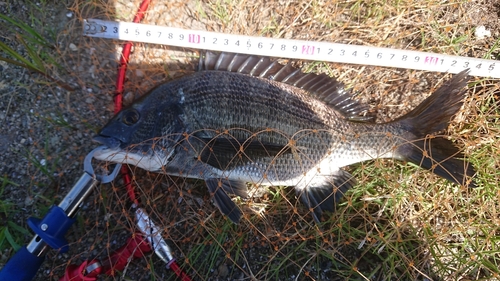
(289,48)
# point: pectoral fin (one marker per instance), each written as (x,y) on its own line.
(323,196)
(220,188)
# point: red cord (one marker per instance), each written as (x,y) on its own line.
(178,271)
(134,247)
(122,68)
(121,257)
(118,106)
(118,97)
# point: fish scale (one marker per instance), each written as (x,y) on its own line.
(295,115)
(251,106)
(249,119)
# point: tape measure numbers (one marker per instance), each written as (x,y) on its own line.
(287,48)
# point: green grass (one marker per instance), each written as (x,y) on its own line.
(221,10)
(11,234)
(37,56)
(399,222)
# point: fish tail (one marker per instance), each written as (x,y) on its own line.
(434,153)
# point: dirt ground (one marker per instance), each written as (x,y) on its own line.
(46,130)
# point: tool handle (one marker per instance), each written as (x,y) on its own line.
(22,266)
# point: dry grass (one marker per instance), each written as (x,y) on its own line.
(399,223)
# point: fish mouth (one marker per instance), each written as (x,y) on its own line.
(111,152)
(110,142)
(116,151)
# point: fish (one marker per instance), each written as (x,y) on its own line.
(245,119)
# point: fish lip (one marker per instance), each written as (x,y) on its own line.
(110,142)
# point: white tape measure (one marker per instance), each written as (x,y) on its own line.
(286,48)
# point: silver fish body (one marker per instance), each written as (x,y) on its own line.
(248,119)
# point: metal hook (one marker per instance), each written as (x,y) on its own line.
(87,167)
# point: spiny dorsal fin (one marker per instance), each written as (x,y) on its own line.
(323,87)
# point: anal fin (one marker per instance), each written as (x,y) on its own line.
(324,196)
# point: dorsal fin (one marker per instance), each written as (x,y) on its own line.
(322,86)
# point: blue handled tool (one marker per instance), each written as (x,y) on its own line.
(50,230)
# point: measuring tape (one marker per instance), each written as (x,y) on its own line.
(287,48)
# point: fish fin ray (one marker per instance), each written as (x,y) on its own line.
(440,156)
(437,154)
(222,200)
(436,111)
(235,187)
(321,86)
(325,196)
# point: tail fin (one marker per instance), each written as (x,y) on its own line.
(438,154)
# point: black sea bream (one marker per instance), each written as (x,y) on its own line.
(250,119)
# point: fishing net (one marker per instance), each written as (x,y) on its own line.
(398,223)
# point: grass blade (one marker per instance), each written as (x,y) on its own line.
(39,39)
(38,63)
(16,56)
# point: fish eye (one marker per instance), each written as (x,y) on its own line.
(130,117)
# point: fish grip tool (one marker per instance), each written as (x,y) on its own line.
(50,230)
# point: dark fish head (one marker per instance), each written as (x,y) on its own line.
(144,134)
(120,130)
